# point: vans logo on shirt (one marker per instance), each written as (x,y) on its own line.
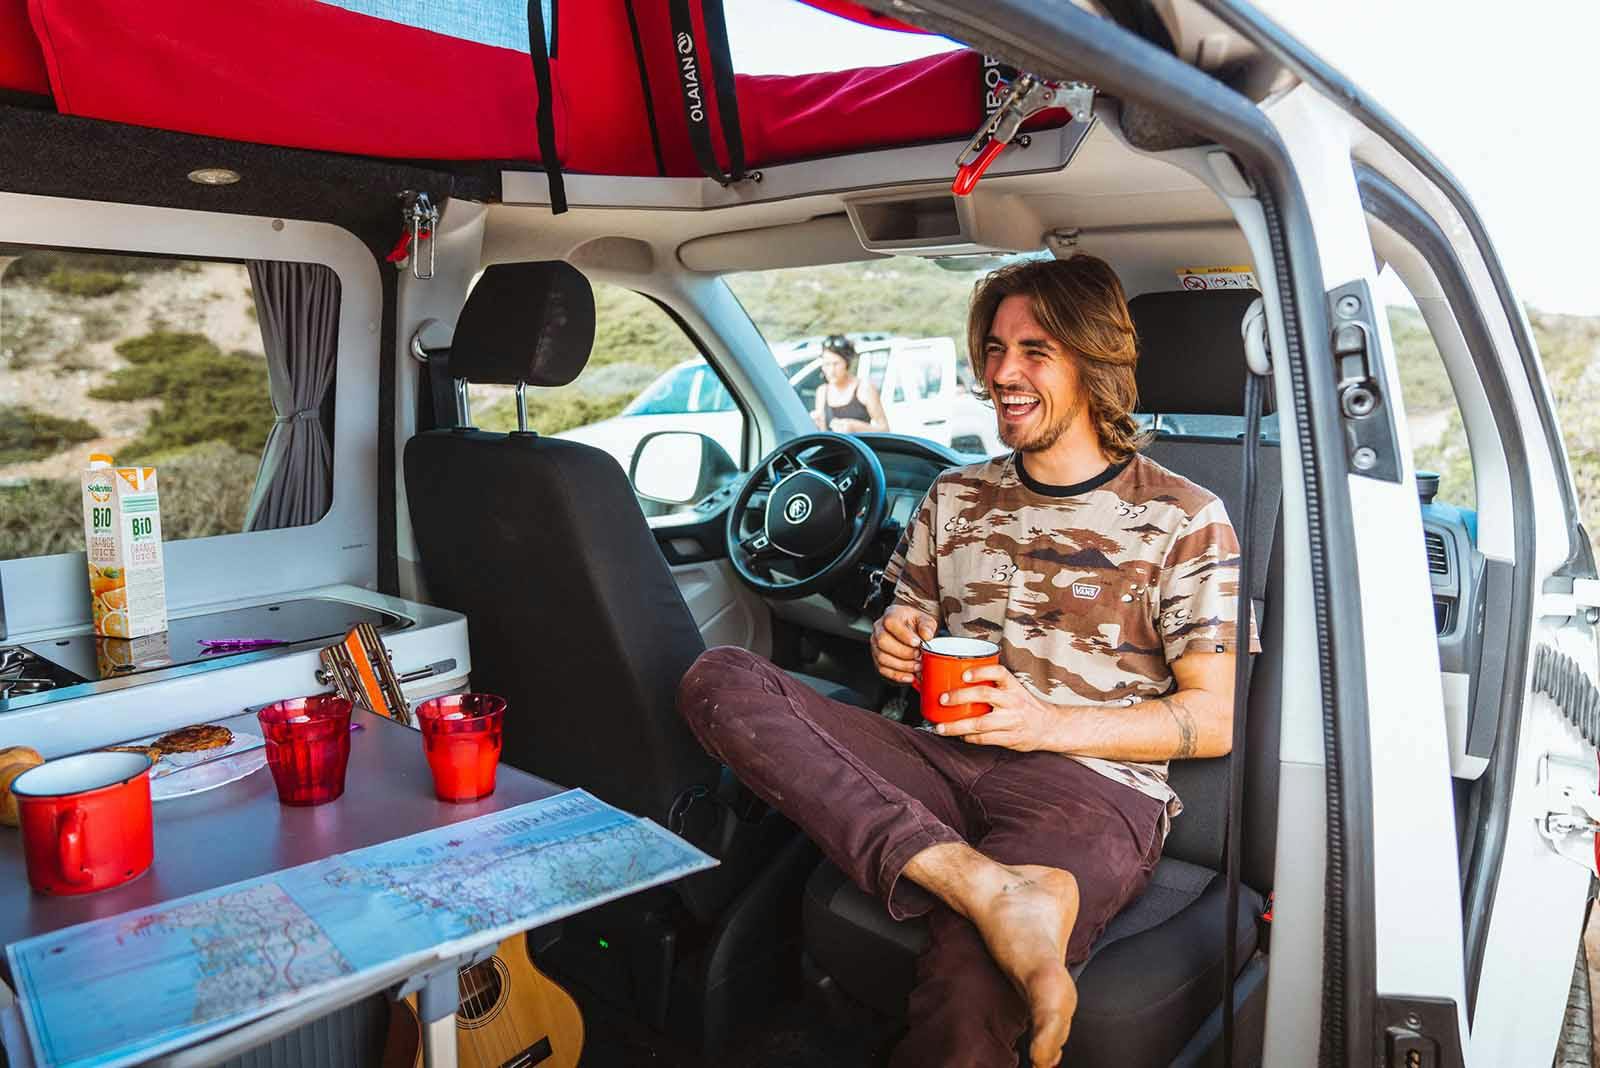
(1085,591)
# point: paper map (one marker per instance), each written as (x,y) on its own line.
(122,989)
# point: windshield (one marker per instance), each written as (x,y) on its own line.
(906,370)
(896,330)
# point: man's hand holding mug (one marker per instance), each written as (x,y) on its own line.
(897,639)
(905,649)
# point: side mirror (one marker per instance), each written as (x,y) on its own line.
(679,467)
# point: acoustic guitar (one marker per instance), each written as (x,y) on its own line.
(511,1016)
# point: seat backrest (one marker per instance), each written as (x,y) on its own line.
(1191,362)
(572,613)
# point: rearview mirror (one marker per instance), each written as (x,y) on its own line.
(679,467)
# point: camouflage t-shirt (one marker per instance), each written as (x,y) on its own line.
(1091,591)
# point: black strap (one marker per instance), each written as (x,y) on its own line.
(441,388)
(388,387)
(691,83)
(1254,390)
(539,53)
(644,85)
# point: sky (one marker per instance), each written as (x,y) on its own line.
(1505,102)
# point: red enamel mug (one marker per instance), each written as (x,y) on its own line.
(944,660)
(86,821)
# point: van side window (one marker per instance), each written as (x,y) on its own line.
(644,375)
(197,368)
(1438,436)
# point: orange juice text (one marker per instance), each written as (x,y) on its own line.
(122,531)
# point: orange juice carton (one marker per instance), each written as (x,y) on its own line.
(122,530)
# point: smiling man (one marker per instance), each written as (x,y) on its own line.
(1110,585)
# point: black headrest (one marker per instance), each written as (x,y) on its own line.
(1191,353)
(525,322)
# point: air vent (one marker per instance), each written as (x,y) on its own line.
(1438,562)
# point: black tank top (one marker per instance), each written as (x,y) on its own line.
(850,409)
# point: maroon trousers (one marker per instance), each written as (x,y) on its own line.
(873,793)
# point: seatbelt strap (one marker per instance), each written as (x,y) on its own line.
(1254,390)
(691,84)
(441,389)
(539,52)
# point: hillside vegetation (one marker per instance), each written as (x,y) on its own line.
(125,355)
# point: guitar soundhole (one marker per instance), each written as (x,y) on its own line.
(481,988)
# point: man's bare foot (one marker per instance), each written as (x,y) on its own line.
(1025,913)
(1026,924)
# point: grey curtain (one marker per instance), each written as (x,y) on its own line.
(297,305)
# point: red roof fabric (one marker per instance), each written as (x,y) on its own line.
(786,117)
(318,74)
(22,66)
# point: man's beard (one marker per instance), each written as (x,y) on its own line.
(1040,437)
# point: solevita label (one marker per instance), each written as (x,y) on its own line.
(122,535)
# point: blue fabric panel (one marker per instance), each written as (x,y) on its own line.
(500,23)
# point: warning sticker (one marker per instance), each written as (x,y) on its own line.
(1217,278)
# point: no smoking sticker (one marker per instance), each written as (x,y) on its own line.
(1217,278)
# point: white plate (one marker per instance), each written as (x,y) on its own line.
(181,782)
(181,774)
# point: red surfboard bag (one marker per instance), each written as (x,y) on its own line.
(636,87)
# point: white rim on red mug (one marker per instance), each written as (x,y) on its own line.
(960,648)
(80,774)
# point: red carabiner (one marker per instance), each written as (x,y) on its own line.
(402,247)
(967,174)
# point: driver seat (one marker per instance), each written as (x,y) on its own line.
(574,618)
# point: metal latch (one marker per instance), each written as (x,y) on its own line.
(1570,808)
(422,220)
(1028,96)
(1583,599)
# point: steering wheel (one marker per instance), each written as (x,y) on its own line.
(806,514)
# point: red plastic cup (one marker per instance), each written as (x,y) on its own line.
(461,736)
(308,747)
(86,821)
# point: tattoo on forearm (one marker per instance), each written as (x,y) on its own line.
(1187,731)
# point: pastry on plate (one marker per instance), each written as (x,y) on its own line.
(194,739)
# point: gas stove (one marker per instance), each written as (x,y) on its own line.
(24,672)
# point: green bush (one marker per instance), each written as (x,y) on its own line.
(40,517)
(36,265)
(205,393)
(26,434)
(553,411)
(203,492)
(1423,382)
(903,295)
(630,328)
(71,282)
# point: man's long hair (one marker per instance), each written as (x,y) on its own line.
(1080,303)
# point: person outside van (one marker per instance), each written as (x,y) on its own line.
(845,403)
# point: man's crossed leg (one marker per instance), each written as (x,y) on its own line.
(1018,859)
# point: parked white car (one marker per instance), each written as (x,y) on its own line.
(926,390)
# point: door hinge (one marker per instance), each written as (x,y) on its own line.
(1569,811)
(1582,600)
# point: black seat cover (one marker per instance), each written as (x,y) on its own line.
(573,615)
(1156,972)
